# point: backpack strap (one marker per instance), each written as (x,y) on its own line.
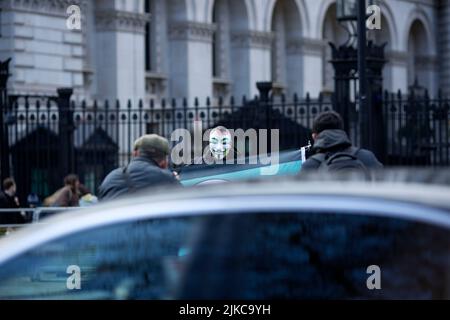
(319,158)
(322,157)
(352,154)
(127,178)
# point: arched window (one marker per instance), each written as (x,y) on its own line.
(215,58)
(278,46)
(155,36)
(229,58)
(286,27)
(383,36)
(417,49)
(332,32)
(220,38)
(156,48)
(148,37)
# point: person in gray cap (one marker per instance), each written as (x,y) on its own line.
(148,168)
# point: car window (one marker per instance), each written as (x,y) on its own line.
(126,261)
(258,255)
(318,256)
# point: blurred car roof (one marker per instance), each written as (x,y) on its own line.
(228,198)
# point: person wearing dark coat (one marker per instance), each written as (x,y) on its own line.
(148,168)
(329,138)
(69,195)
(8,200)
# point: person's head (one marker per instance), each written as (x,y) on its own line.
(9,186)
(220,142)
(328,120)
(72,181)
(154,147)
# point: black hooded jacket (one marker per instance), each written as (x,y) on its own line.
(332,141)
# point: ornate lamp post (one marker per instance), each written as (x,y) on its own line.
(346,10)
(346,15)
(355,11)
(357,63)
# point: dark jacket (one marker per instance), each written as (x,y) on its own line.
(140,174)
(8,202)
(332,141)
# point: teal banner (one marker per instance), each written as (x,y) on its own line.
(289,164)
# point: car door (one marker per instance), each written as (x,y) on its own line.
(271,247)
(129,260)
(371,252)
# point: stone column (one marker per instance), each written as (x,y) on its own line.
(191,60)
(444,48)
(304,58)
(121,64)
(250,61)
(398,71)
(120,54)
(428,72)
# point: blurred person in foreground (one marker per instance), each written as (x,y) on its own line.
(69,195)
(9,200)
(333,151)
(148,168)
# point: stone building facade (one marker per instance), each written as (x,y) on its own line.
(141,49)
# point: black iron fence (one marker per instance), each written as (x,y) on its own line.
(48,137)
(51,136)
(416,130)
(9,217)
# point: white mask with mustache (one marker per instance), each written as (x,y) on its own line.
(220,143)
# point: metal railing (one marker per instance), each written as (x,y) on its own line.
(93,138)
(49,137)
(33,215)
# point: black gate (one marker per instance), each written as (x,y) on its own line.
(44,139)
(417,128)
(345,63)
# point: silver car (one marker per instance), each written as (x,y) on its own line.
(262,240)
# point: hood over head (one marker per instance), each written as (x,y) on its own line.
(331,140)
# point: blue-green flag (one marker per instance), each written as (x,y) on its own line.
(289,164)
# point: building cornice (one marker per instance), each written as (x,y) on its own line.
(192,31)
(397,56)
(49,7)
(306,46)
(121,21)
(401,57)
(427,60)
(252,39)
